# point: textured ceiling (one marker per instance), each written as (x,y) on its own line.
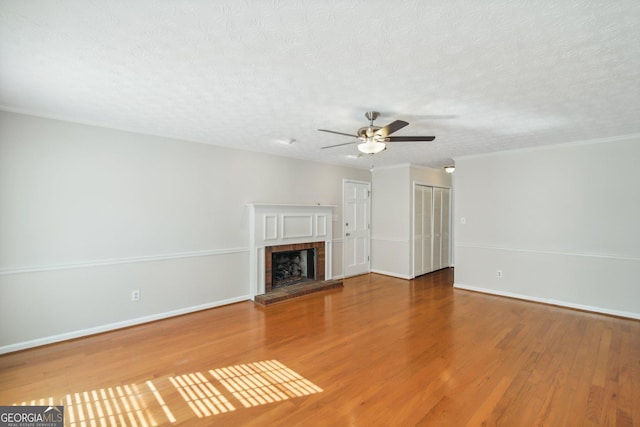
(479,75)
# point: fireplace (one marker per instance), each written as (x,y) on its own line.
(276,228)
(291,264)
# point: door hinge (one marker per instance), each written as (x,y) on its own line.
(368,193)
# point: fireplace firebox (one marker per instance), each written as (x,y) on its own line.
(291,267)
(288,265)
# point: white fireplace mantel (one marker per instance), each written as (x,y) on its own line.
(281,224)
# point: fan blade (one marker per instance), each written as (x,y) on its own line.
(338,133)
(391,128)
(410,138)
(339,145)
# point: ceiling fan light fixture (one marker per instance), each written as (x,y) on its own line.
(371,147)
(373,139)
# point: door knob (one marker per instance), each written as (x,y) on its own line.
(348,234)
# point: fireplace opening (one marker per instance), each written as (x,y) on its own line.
(290,264)
(293,267)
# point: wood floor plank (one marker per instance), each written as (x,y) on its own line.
(379,352)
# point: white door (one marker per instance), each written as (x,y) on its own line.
(422,224)
(357,208)
(445,248)
(441,225)
(437,228)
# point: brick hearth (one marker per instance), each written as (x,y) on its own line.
(288,292)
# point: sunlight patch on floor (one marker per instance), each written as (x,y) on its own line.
(108,406)
(250,384)
(201,396)
(161,402)
(259,383)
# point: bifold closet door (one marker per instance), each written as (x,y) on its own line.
(422,239)
(445,254)
(441,225)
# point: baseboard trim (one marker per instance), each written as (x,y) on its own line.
(549,301)
(388,273)
(117,325)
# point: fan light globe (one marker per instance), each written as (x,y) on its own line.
(371,147)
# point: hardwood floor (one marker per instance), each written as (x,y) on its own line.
(381,351)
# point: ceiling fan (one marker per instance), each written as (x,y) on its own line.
(372,139)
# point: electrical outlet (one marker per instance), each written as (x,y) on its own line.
(135,295)
(499,274)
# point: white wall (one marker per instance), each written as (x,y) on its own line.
(390,232)
(391,215)
(88,214)
(560,222)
